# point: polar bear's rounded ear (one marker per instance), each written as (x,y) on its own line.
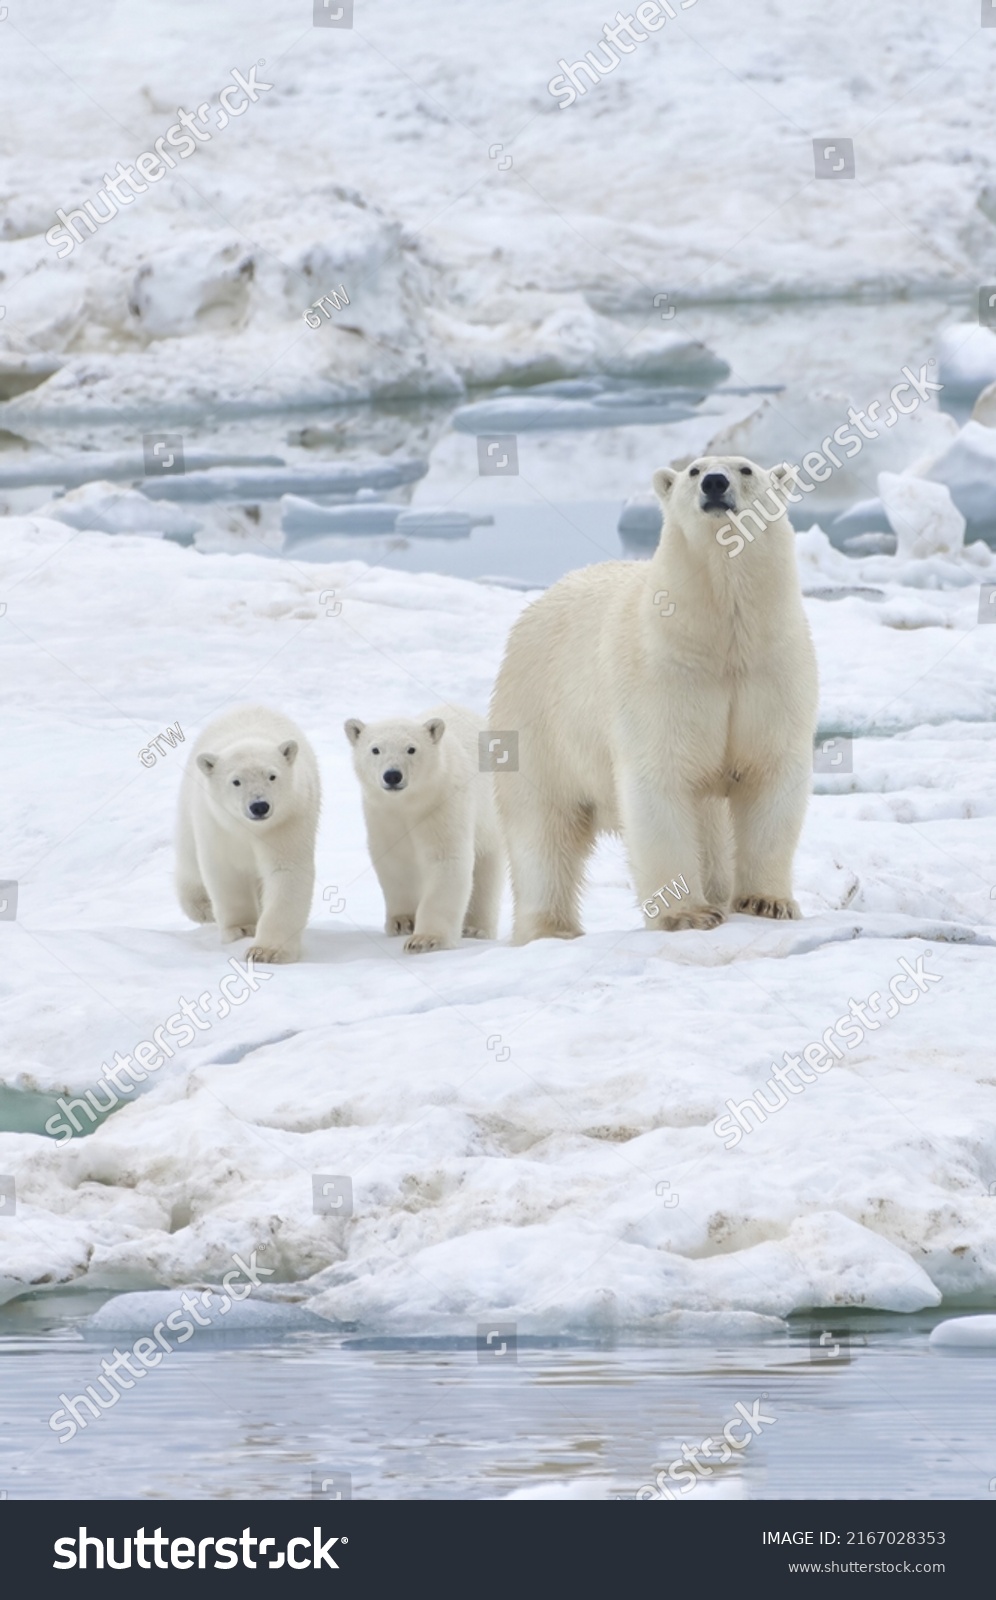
(207,764)
(663,482)
(784,473)
(435,728)
(353,730)
(289,751)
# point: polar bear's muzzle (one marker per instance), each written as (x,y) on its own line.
(393,780)
(715,494)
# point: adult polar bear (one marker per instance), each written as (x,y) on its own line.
(673,701)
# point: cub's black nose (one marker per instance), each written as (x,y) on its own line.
(715,485)
(393,777)
(259,808)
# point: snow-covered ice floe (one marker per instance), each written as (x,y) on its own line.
(542,1133)
(270,483)
(965,1333)
(168,309)
(305,519)
(70,472)
(215,1310)
(108,508)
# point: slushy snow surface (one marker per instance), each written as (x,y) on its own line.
(529,1133)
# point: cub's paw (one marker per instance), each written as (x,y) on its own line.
(702,917)
(272,956)
(545,928)
(477,933)
(756,905)
(396,925)
(419,943)
(230,934)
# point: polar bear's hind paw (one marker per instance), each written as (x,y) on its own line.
(271,957)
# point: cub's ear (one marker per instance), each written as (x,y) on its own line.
(289,751)
(663,482)
(207,764)
(784,474)
(435,728)
(353,730)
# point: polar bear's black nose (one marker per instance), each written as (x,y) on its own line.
(393,777)
(259,808)
(715,485)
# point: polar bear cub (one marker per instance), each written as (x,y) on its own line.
(248,817)
(432,826)
(672,701)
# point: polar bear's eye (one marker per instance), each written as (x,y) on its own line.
(748,472)
(411,749)
(237,783)
(374,750)
(693,472)
(273,777)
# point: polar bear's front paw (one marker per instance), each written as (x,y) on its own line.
(420,942)
(402,924)
(756,905)
(704,917)
(273,956)
(233,932)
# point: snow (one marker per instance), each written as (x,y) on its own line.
(965,1333)
(303,519)
(968,469)
(789,426)
(269,483)
(429,171)
(73,471)
(530,1132)
(218,1313)
(967,359)
(922,515)
(108,508)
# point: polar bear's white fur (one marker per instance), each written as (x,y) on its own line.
(248,816)
(432,826)
(672,700)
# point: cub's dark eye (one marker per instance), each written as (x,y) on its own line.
(693,472)
(374,751)
(273,777)
(748,472)
(411,749)
(237,783)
